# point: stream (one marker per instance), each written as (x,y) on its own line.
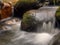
(43,36)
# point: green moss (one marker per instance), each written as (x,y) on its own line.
(27,18)
(28,21)
(58,13)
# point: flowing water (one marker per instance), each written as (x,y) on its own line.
(46,15)
(43,36)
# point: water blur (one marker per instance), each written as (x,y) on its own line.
(13,35)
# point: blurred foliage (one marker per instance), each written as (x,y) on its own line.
(13,1)
(27,1)
(58,13)
(57,18)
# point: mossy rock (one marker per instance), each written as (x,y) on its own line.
(12,1)
(57,15)
(57,18)
(28,22)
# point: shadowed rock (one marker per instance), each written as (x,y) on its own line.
(56,39)
(21,7)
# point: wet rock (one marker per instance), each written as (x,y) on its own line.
(56,39)
(28,22)
(57,17)
(5,11)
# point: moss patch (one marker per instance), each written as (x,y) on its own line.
(58,13)
(28,22)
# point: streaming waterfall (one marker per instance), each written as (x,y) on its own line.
(46,16)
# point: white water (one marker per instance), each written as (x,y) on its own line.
(17,37)
(46,15)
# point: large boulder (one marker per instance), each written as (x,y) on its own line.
(28,22)
(57,15)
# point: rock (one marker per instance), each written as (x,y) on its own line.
(28,22)
(57,17)
(56,39)
(6,11)
(25,5)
